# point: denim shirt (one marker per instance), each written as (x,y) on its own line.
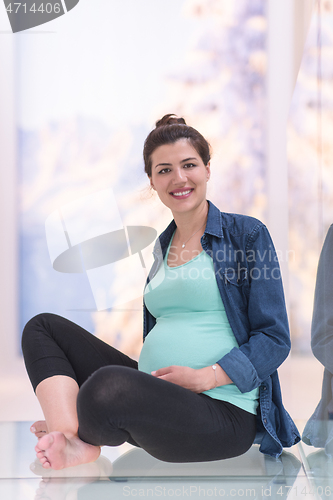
(248,277)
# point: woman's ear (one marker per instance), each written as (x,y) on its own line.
(151,183)
(208,171)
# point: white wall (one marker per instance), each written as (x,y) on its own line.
(288,23)
(9,352)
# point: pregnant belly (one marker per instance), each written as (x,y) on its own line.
(194,340)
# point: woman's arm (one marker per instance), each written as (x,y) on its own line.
(268,340)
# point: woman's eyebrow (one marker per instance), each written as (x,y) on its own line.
(188,159)
(169,164)
(163,165)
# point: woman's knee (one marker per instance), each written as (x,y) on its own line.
(102,406)
(33,328)
(107,386)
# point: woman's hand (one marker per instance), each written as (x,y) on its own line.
(197,381)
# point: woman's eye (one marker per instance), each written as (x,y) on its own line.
(189,165)
(164,170)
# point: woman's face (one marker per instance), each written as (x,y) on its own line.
(179,176)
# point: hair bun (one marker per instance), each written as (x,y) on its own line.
(170,119)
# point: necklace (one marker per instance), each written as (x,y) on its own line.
(183,245)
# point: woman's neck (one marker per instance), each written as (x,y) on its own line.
(189,222)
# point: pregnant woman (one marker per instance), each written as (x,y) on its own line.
(215,331)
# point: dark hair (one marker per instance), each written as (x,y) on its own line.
(168,130)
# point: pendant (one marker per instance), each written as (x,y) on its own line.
(183,245)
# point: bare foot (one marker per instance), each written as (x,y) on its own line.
(39,428)
(55,451)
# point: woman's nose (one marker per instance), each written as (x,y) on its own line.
(179,175)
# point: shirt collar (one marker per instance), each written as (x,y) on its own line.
(213,227)
(214,221)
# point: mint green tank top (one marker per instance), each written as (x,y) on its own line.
(192,328)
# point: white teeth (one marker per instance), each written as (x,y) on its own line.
(182,193)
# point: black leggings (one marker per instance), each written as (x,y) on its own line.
(118,403)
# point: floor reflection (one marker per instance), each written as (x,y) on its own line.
(138,474)
(129,472)
(319,468)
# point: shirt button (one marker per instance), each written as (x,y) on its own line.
(265,420)
(264,388)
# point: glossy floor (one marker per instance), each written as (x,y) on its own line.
(302,472)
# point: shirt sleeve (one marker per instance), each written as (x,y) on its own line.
(268,342)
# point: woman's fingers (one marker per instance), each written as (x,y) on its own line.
(180,375)
(163,371)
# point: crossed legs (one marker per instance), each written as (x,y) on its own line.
(92,395)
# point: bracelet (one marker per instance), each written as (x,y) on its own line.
(214,368)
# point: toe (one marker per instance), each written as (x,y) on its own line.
(40,434)
(44,443)
(39,426)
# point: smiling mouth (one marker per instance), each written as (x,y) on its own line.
(179,194)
